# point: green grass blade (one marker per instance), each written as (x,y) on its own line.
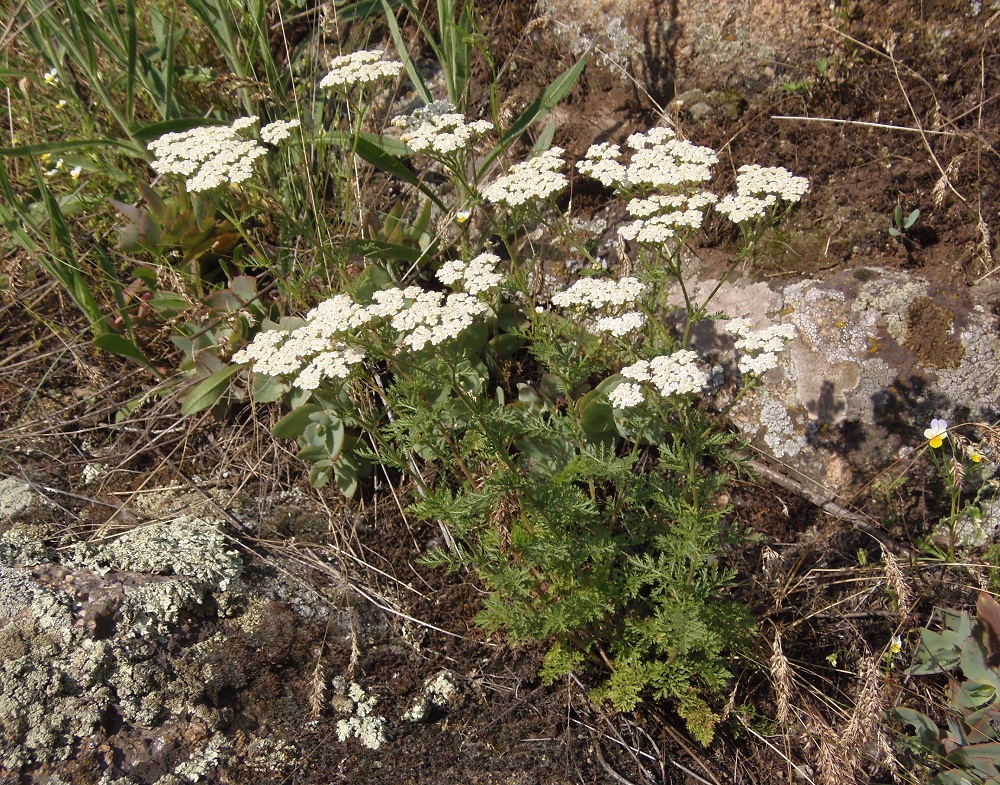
(538,108)
(131,51)
(31,150)
(369,148)
(404,53)
(62,263)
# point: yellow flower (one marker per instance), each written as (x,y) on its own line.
(937,433)
(974,455)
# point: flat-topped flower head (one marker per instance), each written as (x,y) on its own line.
(438,129)
(533,180)
(278,131)
(211,156)
(359,69)
(601,163)
(759,189)
(670,374)
(618,326)
(937,433)
(598,293)
(475,276)
(626,395)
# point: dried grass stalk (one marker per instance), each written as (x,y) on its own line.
(863,727)
(781,678)
(897,582)
(985,243)
(317,695)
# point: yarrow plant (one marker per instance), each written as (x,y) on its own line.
(359,69)
(537,179)
(438,130)
(209,157)
(585,492)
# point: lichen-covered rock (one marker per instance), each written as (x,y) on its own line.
(878,355)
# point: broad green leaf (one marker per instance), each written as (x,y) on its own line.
(117,344)
(267,389)
(167,303)
(208,392)
(596,414)
(382,250)
(294,423)
(346,475)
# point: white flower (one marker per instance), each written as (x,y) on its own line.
(534,179)
(759,364)
(211,156)
(61,104)
(601,163)
(599,293)
(359,68)
(278,131)
(51,77)
(619,325)
(478,275)
(437,129)
(741,208)
(672,374)
(75,172)
(626,395)
(758,189)
(937,433)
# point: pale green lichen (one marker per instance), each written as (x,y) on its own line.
(890,295)
(15,497)
(438,694)
(363,723)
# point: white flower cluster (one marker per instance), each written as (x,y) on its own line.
(759,188)
(325,347)
(604,294)
(759,350)
(601,163)
(211,156)
(659,160)
(476,276)
(668,374)
(659,216)
(619,326)
(278,131)
(437,128)
(599,293)
(536,178)
(361,69)
(428,321)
